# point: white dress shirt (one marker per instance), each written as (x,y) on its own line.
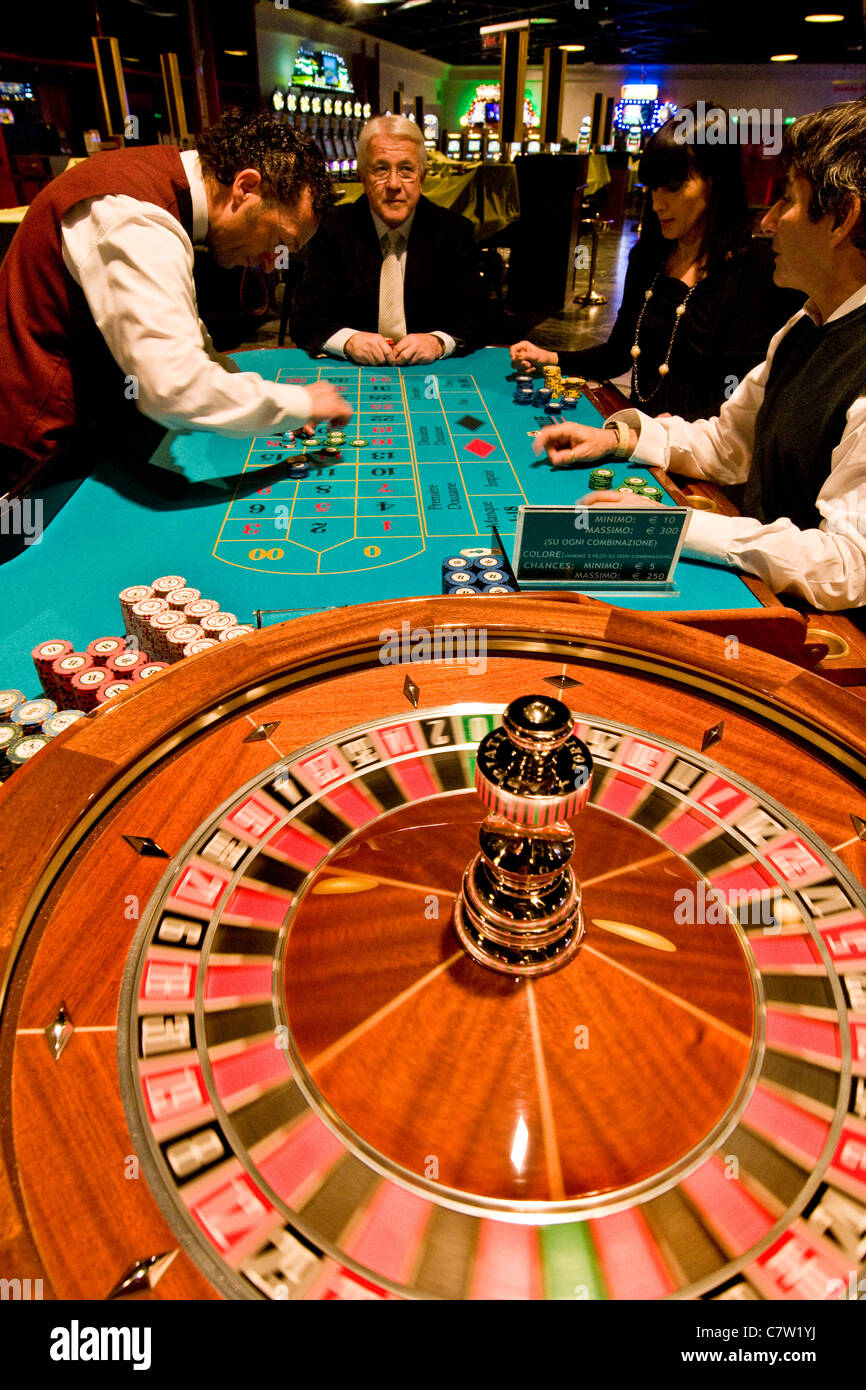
(825,565)
(134,262)
(336,344)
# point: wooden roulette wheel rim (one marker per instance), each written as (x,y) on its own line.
(83,905)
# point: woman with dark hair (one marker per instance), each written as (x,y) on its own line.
(699,305)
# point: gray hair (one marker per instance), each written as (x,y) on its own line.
(828,148)
(398,128)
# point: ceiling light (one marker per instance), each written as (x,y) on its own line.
(542,20)
(572,48)
(413,4)
(784,57)
(236,53)
(824,18)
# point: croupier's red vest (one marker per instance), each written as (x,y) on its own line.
(55,369)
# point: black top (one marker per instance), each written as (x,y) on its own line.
(817,374)
(725,331)
(340,287)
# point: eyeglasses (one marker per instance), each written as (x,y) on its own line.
(406,173)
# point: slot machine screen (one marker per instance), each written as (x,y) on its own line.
(329,147)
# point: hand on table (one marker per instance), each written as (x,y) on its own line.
(616,499)
(526,355)
(328,404)
(416,347)
(574,444)
(369,349)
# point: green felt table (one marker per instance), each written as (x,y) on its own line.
(448,457)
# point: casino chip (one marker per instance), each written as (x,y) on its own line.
(30,715)
(359,443)
(60,721)
(9,699)
(20,752)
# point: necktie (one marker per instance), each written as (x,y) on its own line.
(392,318)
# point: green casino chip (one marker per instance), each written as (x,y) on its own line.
(638,484)
(359,443)
(653,493)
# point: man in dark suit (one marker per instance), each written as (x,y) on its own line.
(389,277)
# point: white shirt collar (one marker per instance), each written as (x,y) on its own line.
(856,301)
(382,229)
(192,168)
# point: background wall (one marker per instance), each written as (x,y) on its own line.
(796,89)
(279,34)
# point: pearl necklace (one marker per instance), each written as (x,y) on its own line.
(635,351)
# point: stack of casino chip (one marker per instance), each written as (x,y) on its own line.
(110,689)
(151,668)
(161,624)
(201,644)
(179,638)
(141,616)
(63,671)
(129,598)
(200,608)
(217,623)
(523,390)
(181,598)
(478,572)
(30,715)
(166,584)
(102,649)
(44,656)
(19,751)
(601,479)
(126,665)
(654,494)
(553,382)
(9,701)
(56,723)
(241,630)
(572,390)
(85,685)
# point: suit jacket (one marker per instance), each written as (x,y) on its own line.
(340,285)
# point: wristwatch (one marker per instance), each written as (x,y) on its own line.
(623,447)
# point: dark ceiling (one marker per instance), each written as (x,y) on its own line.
(614,31)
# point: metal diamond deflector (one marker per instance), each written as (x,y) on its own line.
(561,682)
(262,732)
(713,735)
(144,1274)
(143,845)
(411,691)
(58,1033)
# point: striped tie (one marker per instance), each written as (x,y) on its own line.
(392,318)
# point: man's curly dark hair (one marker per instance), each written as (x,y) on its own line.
(287,159)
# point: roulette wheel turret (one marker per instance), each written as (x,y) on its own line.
(273,1022)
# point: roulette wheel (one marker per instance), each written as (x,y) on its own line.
(275,1027)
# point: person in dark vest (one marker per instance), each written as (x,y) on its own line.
(794,431)
(97,301)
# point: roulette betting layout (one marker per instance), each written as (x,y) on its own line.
(273,1029)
